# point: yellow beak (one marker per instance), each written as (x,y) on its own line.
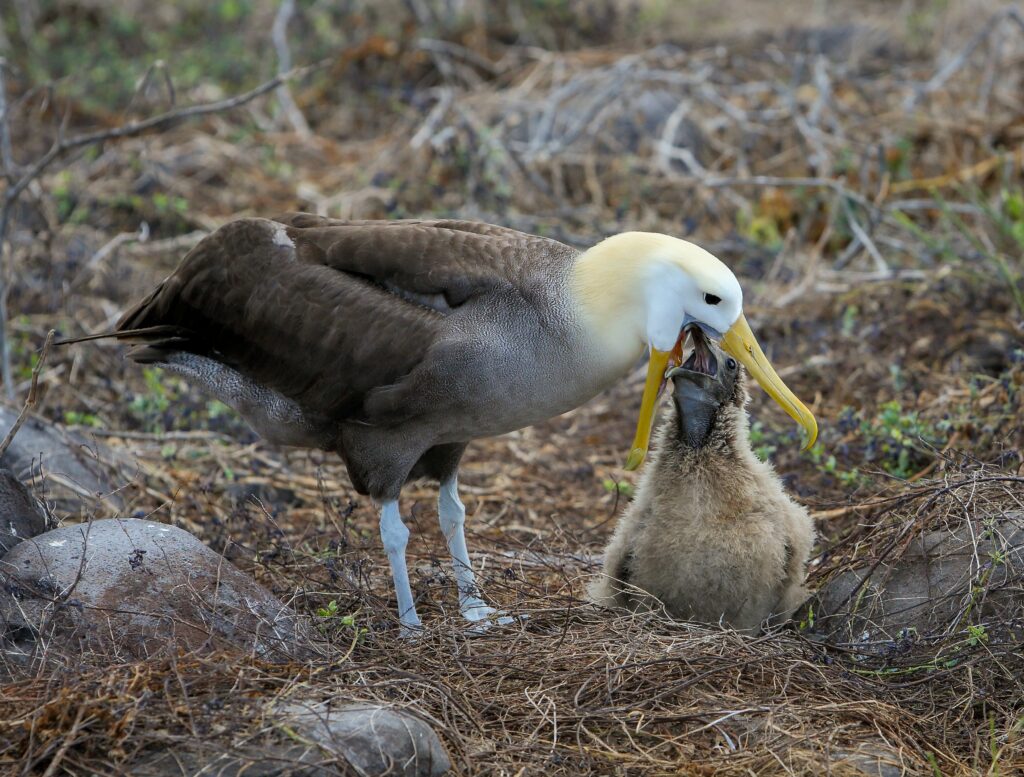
(740,342)
(656,369)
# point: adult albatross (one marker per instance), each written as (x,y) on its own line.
(394,343)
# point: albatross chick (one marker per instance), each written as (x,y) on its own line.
(711,535)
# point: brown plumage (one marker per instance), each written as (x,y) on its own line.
(711,534)
(352,323)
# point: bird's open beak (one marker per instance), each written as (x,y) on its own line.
(740,342)
(656,369)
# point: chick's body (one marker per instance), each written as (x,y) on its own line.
(711,535)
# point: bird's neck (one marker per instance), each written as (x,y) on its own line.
(728,441)
(725,457)
(611,285)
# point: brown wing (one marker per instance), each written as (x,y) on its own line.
(443,263)
(334,311)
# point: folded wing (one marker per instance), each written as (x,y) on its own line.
(326,311)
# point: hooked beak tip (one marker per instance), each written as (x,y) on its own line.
(740,342)
(636,458)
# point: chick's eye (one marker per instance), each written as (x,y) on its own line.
(711,299)
(730,363)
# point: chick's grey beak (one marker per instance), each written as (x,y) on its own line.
(697,401)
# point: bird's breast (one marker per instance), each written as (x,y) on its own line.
(520,376)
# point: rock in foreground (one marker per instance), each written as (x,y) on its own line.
(138,588)
(365,739)
(374,739)
(79,473)
(21,516)
(945,582)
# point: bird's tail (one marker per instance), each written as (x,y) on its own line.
(152,344)
(143,334)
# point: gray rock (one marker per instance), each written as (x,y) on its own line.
(943,582)
(79,474)
(363,739)
(872,759)
(21,515)
(373,739)
(138,588)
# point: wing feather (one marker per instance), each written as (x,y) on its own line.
(449,259)
(326,312)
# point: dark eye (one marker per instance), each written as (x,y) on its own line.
(711,299)
(730,363)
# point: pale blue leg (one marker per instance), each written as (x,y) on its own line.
(395,536)
(452,515)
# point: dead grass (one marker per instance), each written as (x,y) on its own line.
(570,689)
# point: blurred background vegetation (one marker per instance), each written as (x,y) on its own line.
(853,162)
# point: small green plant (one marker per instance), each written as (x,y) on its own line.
(64,196)
(618,486)
(331,617)
(848,477)
(808,622)
(154,403)
(997,556)
(830,466)
(760,229)
(909,633)
(849,320)
(76,418)
(215,409)
(898,439)
(899,381)
(760,442)
(1013,210)
(166,204)
(329,611)
(168,403)
(976,635)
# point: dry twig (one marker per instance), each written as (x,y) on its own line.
(279,35)
(31,399)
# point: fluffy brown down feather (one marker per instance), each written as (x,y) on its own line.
(711,534)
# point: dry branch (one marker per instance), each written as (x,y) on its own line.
(957,62)
(141,235)
(31,399)
(163,121)
(63,145)
(279,35)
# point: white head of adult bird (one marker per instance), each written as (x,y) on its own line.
(395,343)
(663,286)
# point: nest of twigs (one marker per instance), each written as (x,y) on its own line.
(572,689)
